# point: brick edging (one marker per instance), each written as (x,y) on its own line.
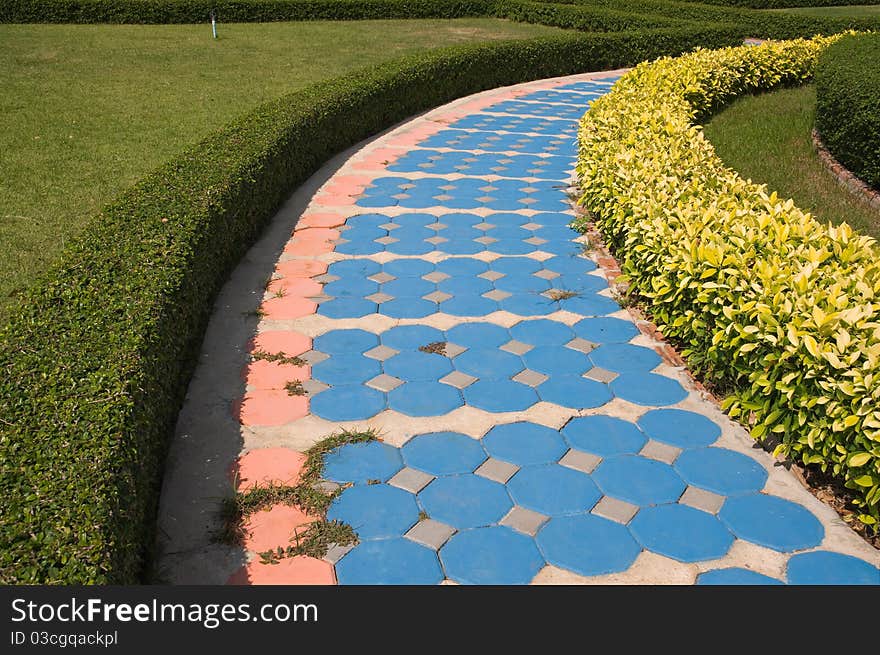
(844,176)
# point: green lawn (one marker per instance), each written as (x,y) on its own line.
(89,109)
(848,11)
(767,138)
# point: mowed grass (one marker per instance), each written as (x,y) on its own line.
(89,109)
(847,11)
(767,138)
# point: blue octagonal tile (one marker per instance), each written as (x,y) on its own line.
(423,398)
(680,428)
(557,360)
(605,330)
(347,403)
(553,490)
(827,568)
(458,266)
(415,366)
(625,358)
(465,501)
(491,556)
(443,453)
(489,363)
(500,396)
(574,391)
(478,335)
(346,369)
(408,308)
(648,389)
(603,435)
(721,471)
(542,332)
(358,268)
(524,443)
(410,337)
(346,308)
(735,576)
(587,544)
(389,562)
(681,532)
(401,268)
(361,462)
(344,342)
(772,522)
(375,511)
(638,480)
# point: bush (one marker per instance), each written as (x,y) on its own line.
(786,4)
(97,356)
(848,104)
(778,310)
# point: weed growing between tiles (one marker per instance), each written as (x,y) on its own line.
(307,495)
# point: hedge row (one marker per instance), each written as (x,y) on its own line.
(848,104)
(787,4)
(766,301)
(96,358)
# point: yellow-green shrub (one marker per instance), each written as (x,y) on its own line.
(778,309)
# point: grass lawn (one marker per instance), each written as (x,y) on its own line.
(767,138)
(89,109)
(848,11)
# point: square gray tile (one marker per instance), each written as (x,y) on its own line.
(516,347)
(436,240)
(530,377)
(382,277)
(437,296)
(546,274)
(614,509)
(600,374)
(314,357)
(321,297)
(453,349)
(581,344)
(326,278)
(496,470)
(430,533)
(390,226)
(435,277)
(524,520)
(531,226)
(381,353)
(496,294)
(326,486)
(484,226)
(580,461)
(491,275)
(386,240)
(660,451)
(436,226)
(336,553)
(535,241)
(486,240)
(311,387)
(410,480)
(458,379)
(702,499)
(384,382)
(379,297)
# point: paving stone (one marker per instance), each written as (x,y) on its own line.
(531,378)
(516,347)
(435,277)
(581,345)
(410,480)
(721,471)
(496,470)
(660,451)
(314,357)
(681,532)
(458,379)
(379,298)
(436,240)
(437,296)
(827,568)
(600,375)
(497,294)
(702,499)
(326,278)
(453,349)
(614,509)
(384,382)
(362,462)
(524,520)
(381,353)
(382,277)
(336,552)
(494,555)
(430,533)
(580,461)
(491,275)
(389,562)
(385,241)
(312,387)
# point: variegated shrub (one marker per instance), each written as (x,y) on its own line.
(778,309)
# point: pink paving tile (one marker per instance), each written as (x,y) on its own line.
(281,341)
(270,528)
(288,307)
(299,570)
(301,268)
(320,219)
(315,234)
(269,407)
(333,200)
(295,286)
(344,188)
(265,466)
(308,247)
(262,374)
(352,179)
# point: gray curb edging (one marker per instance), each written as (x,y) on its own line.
(844,176)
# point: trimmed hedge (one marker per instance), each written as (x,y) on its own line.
(788,4)
(773,306)
(97,356)
(848,104)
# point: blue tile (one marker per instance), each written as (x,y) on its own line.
(414,220)
(362,462)
(510,247)
(367,220)
(489,363)
(638,480)
(603,435)
(827,568)
(358,246)
(516,266)
(680,428)
(344,342)
(411,337)
(587,544)
(415,366)
(681,532)
(528,304)
(553,490)
(625,358)
(574,391)
(524,444)
(518,283)
(355,267)
(735,576)
(569,264)
(647,389)
(408,308)
(721,471)
(375,511)
(584,284)
(408,267)
(605,330)
(461,246)
(443,453)
(491,556)
(478,335)
(408,287)
(409,247)
(457,266)
(500,396)
(423,398)
(347,308)
(468,305)
(772,522)
(465,501)
(347,403)
(542,332)
(389,562)
(557,360)
(473,286)
(590,304)
(346,369)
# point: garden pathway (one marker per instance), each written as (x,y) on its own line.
(532,430)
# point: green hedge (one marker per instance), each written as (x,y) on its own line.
(788,4)
(848,104)
(97,356)
(775,308)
